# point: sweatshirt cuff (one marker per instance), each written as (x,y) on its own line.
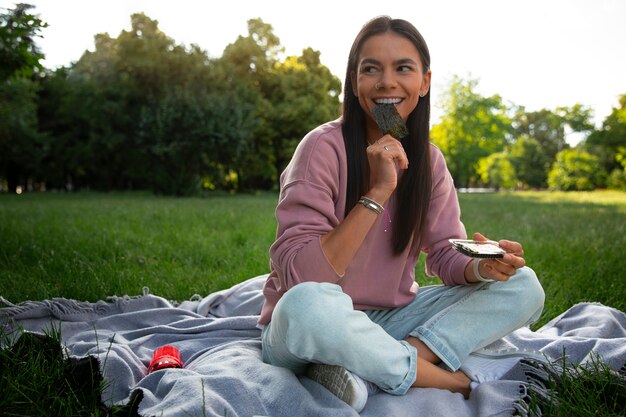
(457,270)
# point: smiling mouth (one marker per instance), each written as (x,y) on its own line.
(387,100)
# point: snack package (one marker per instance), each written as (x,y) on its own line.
(477,249)
(165,357)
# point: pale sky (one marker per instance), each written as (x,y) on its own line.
(535,53)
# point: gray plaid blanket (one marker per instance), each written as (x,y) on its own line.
(225,376)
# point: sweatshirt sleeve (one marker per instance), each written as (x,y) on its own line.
(307,209)
(443,223)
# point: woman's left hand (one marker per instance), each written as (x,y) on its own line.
(503,268)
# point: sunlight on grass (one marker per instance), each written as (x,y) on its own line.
(89,246)
(617,198)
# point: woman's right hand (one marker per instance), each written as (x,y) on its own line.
(340,245)
(386,157)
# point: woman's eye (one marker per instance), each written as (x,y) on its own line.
(404,68)
(368,68)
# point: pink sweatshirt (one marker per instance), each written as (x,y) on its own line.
(312,202)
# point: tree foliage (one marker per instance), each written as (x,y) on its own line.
(471,128)
(19,53)
(545,127)
(548,127)
(575,170)
(486,142)
(305,93)
(497,171)
(142,112)
(609,142)
(530,161)
(20,141)
(291,97)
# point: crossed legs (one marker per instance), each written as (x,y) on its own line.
(399,348)
(430,375)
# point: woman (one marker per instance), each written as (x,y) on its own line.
(341,300)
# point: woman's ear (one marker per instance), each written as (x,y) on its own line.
(426,83)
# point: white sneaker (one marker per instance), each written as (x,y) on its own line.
(348,387)
(482,369)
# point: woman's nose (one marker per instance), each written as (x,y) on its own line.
(387,80)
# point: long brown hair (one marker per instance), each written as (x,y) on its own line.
(414,188)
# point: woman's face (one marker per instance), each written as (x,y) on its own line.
(389,70)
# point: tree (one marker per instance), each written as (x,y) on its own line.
(617,178)
(548,127)
(250,60)
(20,143)
(545,127)
(290,97)
(306,94)
(146,113)
(142,112)
(577,117)
(194,136)
(132,77)
(530,162)
(607,141)
(541,136)
(59,125)
(575,170)
(19,53)
(472,127)
(496,170)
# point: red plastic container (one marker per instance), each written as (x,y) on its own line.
(165,357)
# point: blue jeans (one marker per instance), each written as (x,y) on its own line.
(316,323)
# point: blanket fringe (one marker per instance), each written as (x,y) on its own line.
(545,382)
(66,309)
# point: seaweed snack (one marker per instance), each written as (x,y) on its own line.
(390,121)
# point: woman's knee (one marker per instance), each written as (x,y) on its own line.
(308,318)
(530,292)
(310,304)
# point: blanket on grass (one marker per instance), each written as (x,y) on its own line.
(225,376)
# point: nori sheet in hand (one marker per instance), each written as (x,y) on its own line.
(390,121)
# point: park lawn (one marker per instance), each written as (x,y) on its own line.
(88,246)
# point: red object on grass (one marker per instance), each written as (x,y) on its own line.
(165,357)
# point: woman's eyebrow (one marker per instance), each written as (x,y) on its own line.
(372,61)
(405,61)
(401,61)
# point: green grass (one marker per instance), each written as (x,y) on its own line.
(581,391)
(38,381)
(575,242)
(88,246)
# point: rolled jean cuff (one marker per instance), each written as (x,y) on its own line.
(409,378)
(446,355)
